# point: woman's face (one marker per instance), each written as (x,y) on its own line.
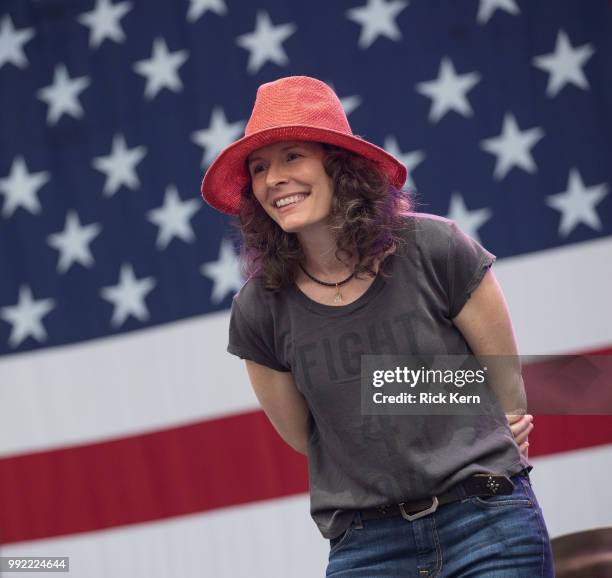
(293,171)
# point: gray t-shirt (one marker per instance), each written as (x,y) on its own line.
(359,461)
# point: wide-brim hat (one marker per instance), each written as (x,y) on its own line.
(291,108)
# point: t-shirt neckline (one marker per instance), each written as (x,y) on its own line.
(338,310)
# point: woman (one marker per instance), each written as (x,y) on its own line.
(339,267)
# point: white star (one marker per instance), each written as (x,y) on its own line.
(468,221)
(565,65)
(173,217)
(217,136)
(350,103)
(376,19)
(161,70)
(410,160)
(20,188)
(62,95)
(224,272)
(128,296)
(103,21)
(488,7)
(199,7)
(73,242)
(577,204)
(449,91)
(26,317)
(11,43)
(265,42)
(120,166)
(512,147)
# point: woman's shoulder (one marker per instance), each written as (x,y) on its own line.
(430,233)
(429,222)
(255,297)
(252,290)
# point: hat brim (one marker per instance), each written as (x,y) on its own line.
(227,175)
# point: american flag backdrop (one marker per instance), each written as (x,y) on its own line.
(129,439)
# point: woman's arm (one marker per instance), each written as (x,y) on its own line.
(484,322)
(282,402)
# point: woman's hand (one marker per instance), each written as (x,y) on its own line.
(521,426)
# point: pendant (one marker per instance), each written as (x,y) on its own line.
(338,297)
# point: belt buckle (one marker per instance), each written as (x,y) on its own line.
(422,513)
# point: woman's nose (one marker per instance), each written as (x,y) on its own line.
(275,175)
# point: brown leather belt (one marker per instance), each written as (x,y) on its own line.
(475,485)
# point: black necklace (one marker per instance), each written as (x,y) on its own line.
(338,297)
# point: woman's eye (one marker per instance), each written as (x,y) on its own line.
(257,168)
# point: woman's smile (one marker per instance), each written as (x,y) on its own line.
(286,203)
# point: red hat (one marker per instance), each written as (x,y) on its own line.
(291,108)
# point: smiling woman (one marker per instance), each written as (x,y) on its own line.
(339,266)
(340,187)
(283,175)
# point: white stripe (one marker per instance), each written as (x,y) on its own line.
(169,375)
(573,489)
(559,299)
(264,540)
(142,381)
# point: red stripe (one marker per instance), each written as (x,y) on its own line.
(214,464)
(209,465)
(562,433)
(570,385)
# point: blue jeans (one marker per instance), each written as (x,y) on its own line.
(493,536)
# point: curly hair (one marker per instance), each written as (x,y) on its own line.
(366,216)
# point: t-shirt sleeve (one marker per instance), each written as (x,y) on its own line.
(247,342)
(467,263)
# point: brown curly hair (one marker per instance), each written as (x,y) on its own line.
(366,216)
